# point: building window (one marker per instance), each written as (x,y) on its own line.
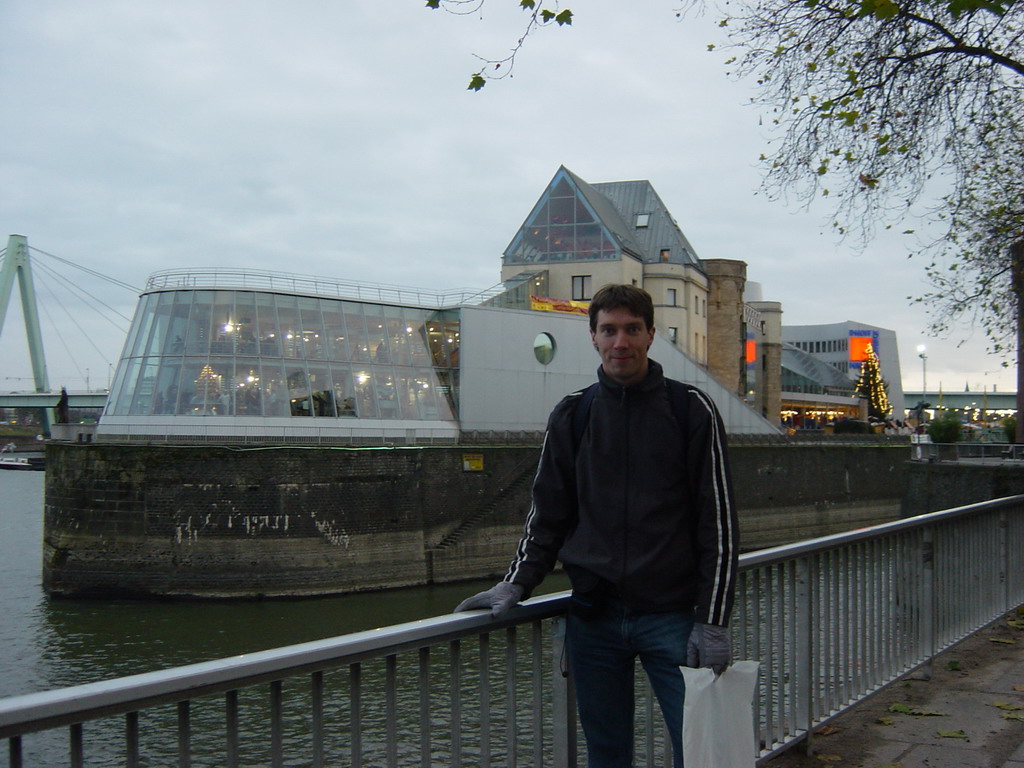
(643,220)
(673,333)
(544,348)
(581,287)
(663,256)
(671,297)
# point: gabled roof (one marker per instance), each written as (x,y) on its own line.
(577,221)
(608,213)
(662,232)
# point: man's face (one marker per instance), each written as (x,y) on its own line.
(622,340)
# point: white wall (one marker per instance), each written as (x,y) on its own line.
(504,387)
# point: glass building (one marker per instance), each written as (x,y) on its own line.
(244,354)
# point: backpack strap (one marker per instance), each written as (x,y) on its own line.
(579,416)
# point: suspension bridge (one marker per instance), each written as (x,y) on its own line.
(16,266)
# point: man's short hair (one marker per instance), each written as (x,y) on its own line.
(629,297)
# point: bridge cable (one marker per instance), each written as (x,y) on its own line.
(60,337)
(109,279)
(63,306)
(71,286)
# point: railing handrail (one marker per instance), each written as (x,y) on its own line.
(820,544)
(63,706)
(313,285)
(48,709)
(907,583)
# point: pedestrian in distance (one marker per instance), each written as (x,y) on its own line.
(633,496)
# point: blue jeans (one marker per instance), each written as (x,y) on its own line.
(602,655)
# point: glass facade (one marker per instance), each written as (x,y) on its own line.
(251,353)
(562,227)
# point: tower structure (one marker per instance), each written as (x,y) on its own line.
(18,266)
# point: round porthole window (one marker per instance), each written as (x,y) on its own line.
(544,348)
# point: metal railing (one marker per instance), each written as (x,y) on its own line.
(313,285)
(832,621)
(979,453)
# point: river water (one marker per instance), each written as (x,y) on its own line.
(49,643)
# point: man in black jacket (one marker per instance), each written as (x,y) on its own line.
(634,498)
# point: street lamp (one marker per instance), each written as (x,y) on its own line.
(924,369)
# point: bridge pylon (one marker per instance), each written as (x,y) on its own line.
(17,265)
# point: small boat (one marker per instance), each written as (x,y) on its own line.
(22,462)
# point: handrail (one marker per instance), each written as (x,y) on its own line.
(49,709)
(313,285)
(832,620)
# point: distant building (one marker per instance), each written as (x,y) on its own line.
(580,236)
(822,363)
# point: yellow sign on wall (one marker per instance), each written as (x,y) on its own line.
(472,462)
(540,303)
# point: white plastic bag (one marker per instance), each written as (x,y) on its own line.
(718,721)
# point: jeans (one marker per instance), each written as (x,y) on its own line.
(602,653)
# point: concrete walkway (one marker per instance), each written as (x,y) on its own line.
(970,714)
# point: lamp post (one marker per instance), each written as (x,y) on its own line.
(924,369)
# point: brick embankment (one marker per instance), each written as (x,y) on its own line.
(970,714)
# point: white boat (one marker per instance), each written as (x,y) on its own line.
(22,462)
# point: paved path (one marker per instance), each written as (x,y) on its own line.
(967,729)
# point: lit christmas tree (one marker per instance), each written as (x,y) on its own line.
(872,387)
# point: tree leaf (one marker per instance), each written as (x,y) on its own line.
(1005,705)
(906,709)
(476,82)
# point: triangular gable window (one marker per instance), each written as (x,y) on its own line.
(562,227)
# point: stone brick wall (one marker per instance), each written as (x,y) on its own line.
(247,522)
(932,486)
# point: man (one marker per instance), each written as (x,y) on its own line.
(639,509)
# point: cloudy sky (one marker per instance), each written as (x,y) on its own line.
(337,138)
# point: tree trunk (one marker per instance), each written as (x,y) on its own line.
(1017,272)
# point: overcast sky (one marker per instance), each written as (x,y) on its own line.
(337,138)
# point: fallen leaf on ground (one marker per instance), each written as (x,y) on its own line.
(1016,623)
(1002,640)
(952,734)
(906,709)
(885,721)
(828,730)
(1007,706)
(829,758)
(1018,687)
(891,765)
(953,666)
(1013,716)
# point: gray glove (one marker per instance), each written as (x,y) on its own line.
(709,647)
(498,598)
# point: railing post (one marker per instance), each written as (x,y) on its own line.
(802,621)
(563,701)
(1004,557)
(928,599)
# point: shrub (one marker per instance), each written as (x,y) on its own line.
(1010,428)
(851,427)
(945,430)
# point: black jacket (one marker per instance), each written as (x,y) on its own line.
(643,503)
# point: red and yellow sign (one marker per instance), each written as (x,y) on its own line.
(543,304)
